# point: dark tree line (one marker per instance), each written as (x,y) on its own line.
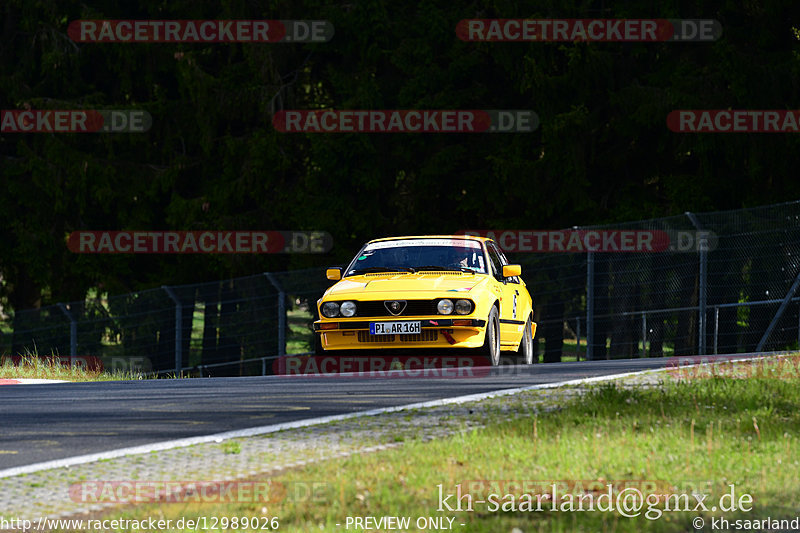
(212,159)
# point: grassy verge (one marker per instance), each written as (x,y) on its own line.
(32,366)
(701,434)
(300,338)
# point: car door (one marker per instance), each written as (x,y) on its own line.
(509,291)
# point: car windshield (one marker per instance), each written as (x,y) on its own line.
(413,255)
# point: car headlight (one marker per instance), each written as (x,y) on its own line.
(330,309)
(463,307)
(445,306)
(347,309)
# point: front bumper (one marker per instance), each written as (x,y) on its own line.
(436,333)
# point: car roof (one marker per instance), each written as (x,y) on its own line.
(464,237)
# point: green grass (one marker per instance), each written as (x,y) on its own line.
(701,434)
(31,366)
(232,447)
(300,338)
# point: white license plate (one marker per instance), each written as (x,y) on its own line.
(392,328)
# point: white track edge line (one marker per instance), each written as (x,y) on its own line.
(263,430)
(34,381)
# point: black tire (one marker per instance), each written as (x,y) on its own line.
(525,350)
(491,345)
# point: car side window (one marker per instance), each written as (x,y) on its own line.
(498,258)
(505,261)
(495,261)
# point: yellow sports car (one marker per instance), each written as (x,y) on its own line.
(438,291)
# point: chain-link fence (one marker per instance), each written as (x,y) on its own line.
(225,325)
(726,285)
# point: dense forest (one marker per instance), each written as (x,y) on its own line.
(212,159)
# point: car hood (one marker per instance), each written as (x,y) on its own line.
(455,282)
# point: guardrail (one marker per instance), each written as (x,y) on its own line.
(643,339)
(200,368)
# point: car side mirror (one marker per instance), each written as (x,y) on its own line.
(334,273)
(510,271)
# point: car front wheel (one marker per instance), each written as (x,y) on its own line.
(491,344)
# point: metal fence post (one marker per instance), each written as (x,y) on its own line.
(578,334)
(644,334)
(73,333)
(281,314)
(178,328)
(589,306)
(701,326)
(779,313)
(716,328)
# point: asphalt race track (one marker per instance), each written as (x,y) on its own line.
(46,422)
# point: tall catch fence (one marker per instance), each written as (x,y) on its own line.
(727,284)
(229,326)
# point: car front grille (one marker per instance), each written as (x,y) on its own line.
(427,335)
(364,336)
(413,308)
